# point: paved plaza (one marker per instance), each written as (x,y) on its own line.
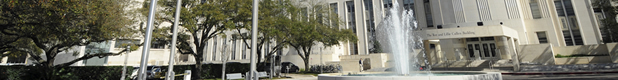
(606,76)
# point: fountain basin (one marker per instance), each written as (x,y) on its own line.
(420,75)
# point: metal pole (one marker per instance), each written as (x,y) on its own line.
(146,47)
(170,68)
(321,62)
(124,68)
(224,58)
(254,34)
(272,67)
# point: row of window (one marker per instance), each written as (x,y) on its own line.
(566,14)
(160,44)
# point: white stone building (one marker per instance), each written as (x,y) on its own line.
(454,30)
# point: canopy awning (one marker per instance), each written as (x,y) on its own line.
(467,32)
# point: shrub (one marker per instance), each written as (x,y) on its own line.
(105,72)
(61,73)
(211,71)
(325,68)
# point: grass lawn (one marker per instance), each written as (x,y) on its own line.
(244,79)
(308,73)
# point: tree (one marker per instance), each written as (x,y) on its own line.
(200,21)
(311,25)
(609,26)
(271,26)
(47,28)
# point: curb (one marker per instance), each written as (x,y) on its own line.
(552,73)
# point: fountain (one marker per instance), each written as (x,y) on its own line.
(398,31)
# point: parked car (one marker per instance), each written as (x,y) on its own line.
(266,67)
(152,73)
(292,68)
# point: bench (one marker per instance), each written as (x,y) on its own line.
(234,76)
(262,74)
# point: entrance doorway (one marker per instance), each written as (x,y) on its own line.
(482,48)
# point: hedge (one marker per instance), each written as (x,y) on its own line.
(62,73)
(105,72)
(210,71)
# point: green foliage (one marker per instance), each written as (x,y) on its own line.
(200,22)
(377,47)
(305,31)
(324,68)
(64,73)
(609,26)
(560,56)
(302,70)
(578,55)
(53,26)
(210,71)
(14,74)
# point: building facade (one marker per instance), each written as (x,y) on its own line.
(493,30)
(452,30)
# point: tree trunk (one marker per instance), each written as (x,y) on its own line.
(197,72)
(223,70)
(50,62)
(306,60)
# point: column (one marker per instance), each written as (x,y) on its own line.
(510,50)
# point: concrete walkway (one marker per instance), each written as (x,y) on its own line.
(300,77)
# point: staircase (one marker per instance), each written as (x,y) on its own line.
(473,65)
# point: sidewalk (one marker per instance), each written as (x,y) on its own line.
(558,72)
(300,77)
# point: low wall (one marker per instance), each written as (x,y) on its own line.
(314,59)
(350,62)
(583,60)
(613,51)
(600,49)
(463,75)
(540,54)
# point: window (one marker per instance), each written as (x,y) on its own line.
(470,50)
(224,50)
(408,4)
(370,24)
(333,6)
(486,50)
(428,15)
(351,17)
(335,10)
(353,48)
(214,49)
(305,12)
(432,46)
(487,39)
(388,4)
(244,51)
(542,37)
(123,43)
(472,39)
(534,9)
(184,57)
(17,58)
(570,29)
(158,44)
(233,56)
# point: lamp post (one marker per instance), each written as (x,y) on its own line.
(124,67)
(146,49)
(224,58)
(321,62)
(254,28)
(170,68)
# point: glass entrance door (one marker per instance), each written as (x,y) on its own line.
(489,50)
(482,50)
